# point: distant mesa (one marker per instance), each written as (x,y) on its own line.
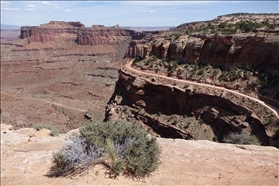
(97,26)
(63,24)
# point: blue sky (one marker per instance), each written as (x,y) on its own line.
(126,13)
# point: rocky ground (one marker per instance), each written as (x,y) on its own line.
(26,159)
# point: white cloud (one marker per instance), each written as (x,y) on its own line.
(152,11)
(49,3)
(30,6)
(13,9)
(68,10)
(29,9)
(45,3)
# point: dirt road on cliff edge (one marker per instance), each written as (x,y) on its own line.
(273,109)
(43,100)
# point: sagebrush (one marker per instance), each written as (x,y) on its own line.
(241,138)
(121,146)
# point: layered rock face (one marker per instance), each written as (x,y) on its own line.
(236,50)
(87,41)
(225,113)
(258,48)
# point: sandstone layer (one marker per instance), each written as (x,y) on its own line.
(26,160)
(258,48)
(223,112)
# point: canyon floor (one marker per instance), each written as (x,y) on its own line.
(26,159)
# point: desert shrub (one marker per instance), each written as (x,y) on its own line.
(129,147)
(75,157)
(241,138)
(53,130)
(165,59)
(201,72)
(174,122)
(170,118)
(256,83)
(215,138)
(222,25)
(200,121)
(187,125)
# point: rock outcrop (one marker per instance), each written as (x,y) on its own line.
(258,48)
(225,113)
(236,50)
(26,157)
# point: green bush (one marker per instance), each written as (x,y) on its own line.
(241,138)
(201,72)
(125,147)
(53,130)
(215,138)
(174,122)
(200,121)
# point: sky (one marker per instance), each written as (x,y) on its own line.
(126,13)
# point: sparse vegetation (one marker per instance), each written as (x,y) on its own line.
(215,138)
(241,138)
(200,121)
(174,122)
(122,147)
(53,130)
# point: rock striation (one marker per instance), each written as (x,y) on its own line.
(236,50)
(224,112)
(258,48)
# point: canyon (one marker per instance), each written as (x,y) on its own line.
(64,63)
(63,74)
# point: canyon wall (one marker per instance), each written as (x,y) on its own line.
(257,50)
(211,42)
(220,110)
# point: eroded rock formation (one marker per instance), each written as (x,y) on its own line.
(236,50)
(222,111)
(258,48)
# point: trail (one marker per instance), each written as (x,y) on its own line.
(46,101)
(273,109)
